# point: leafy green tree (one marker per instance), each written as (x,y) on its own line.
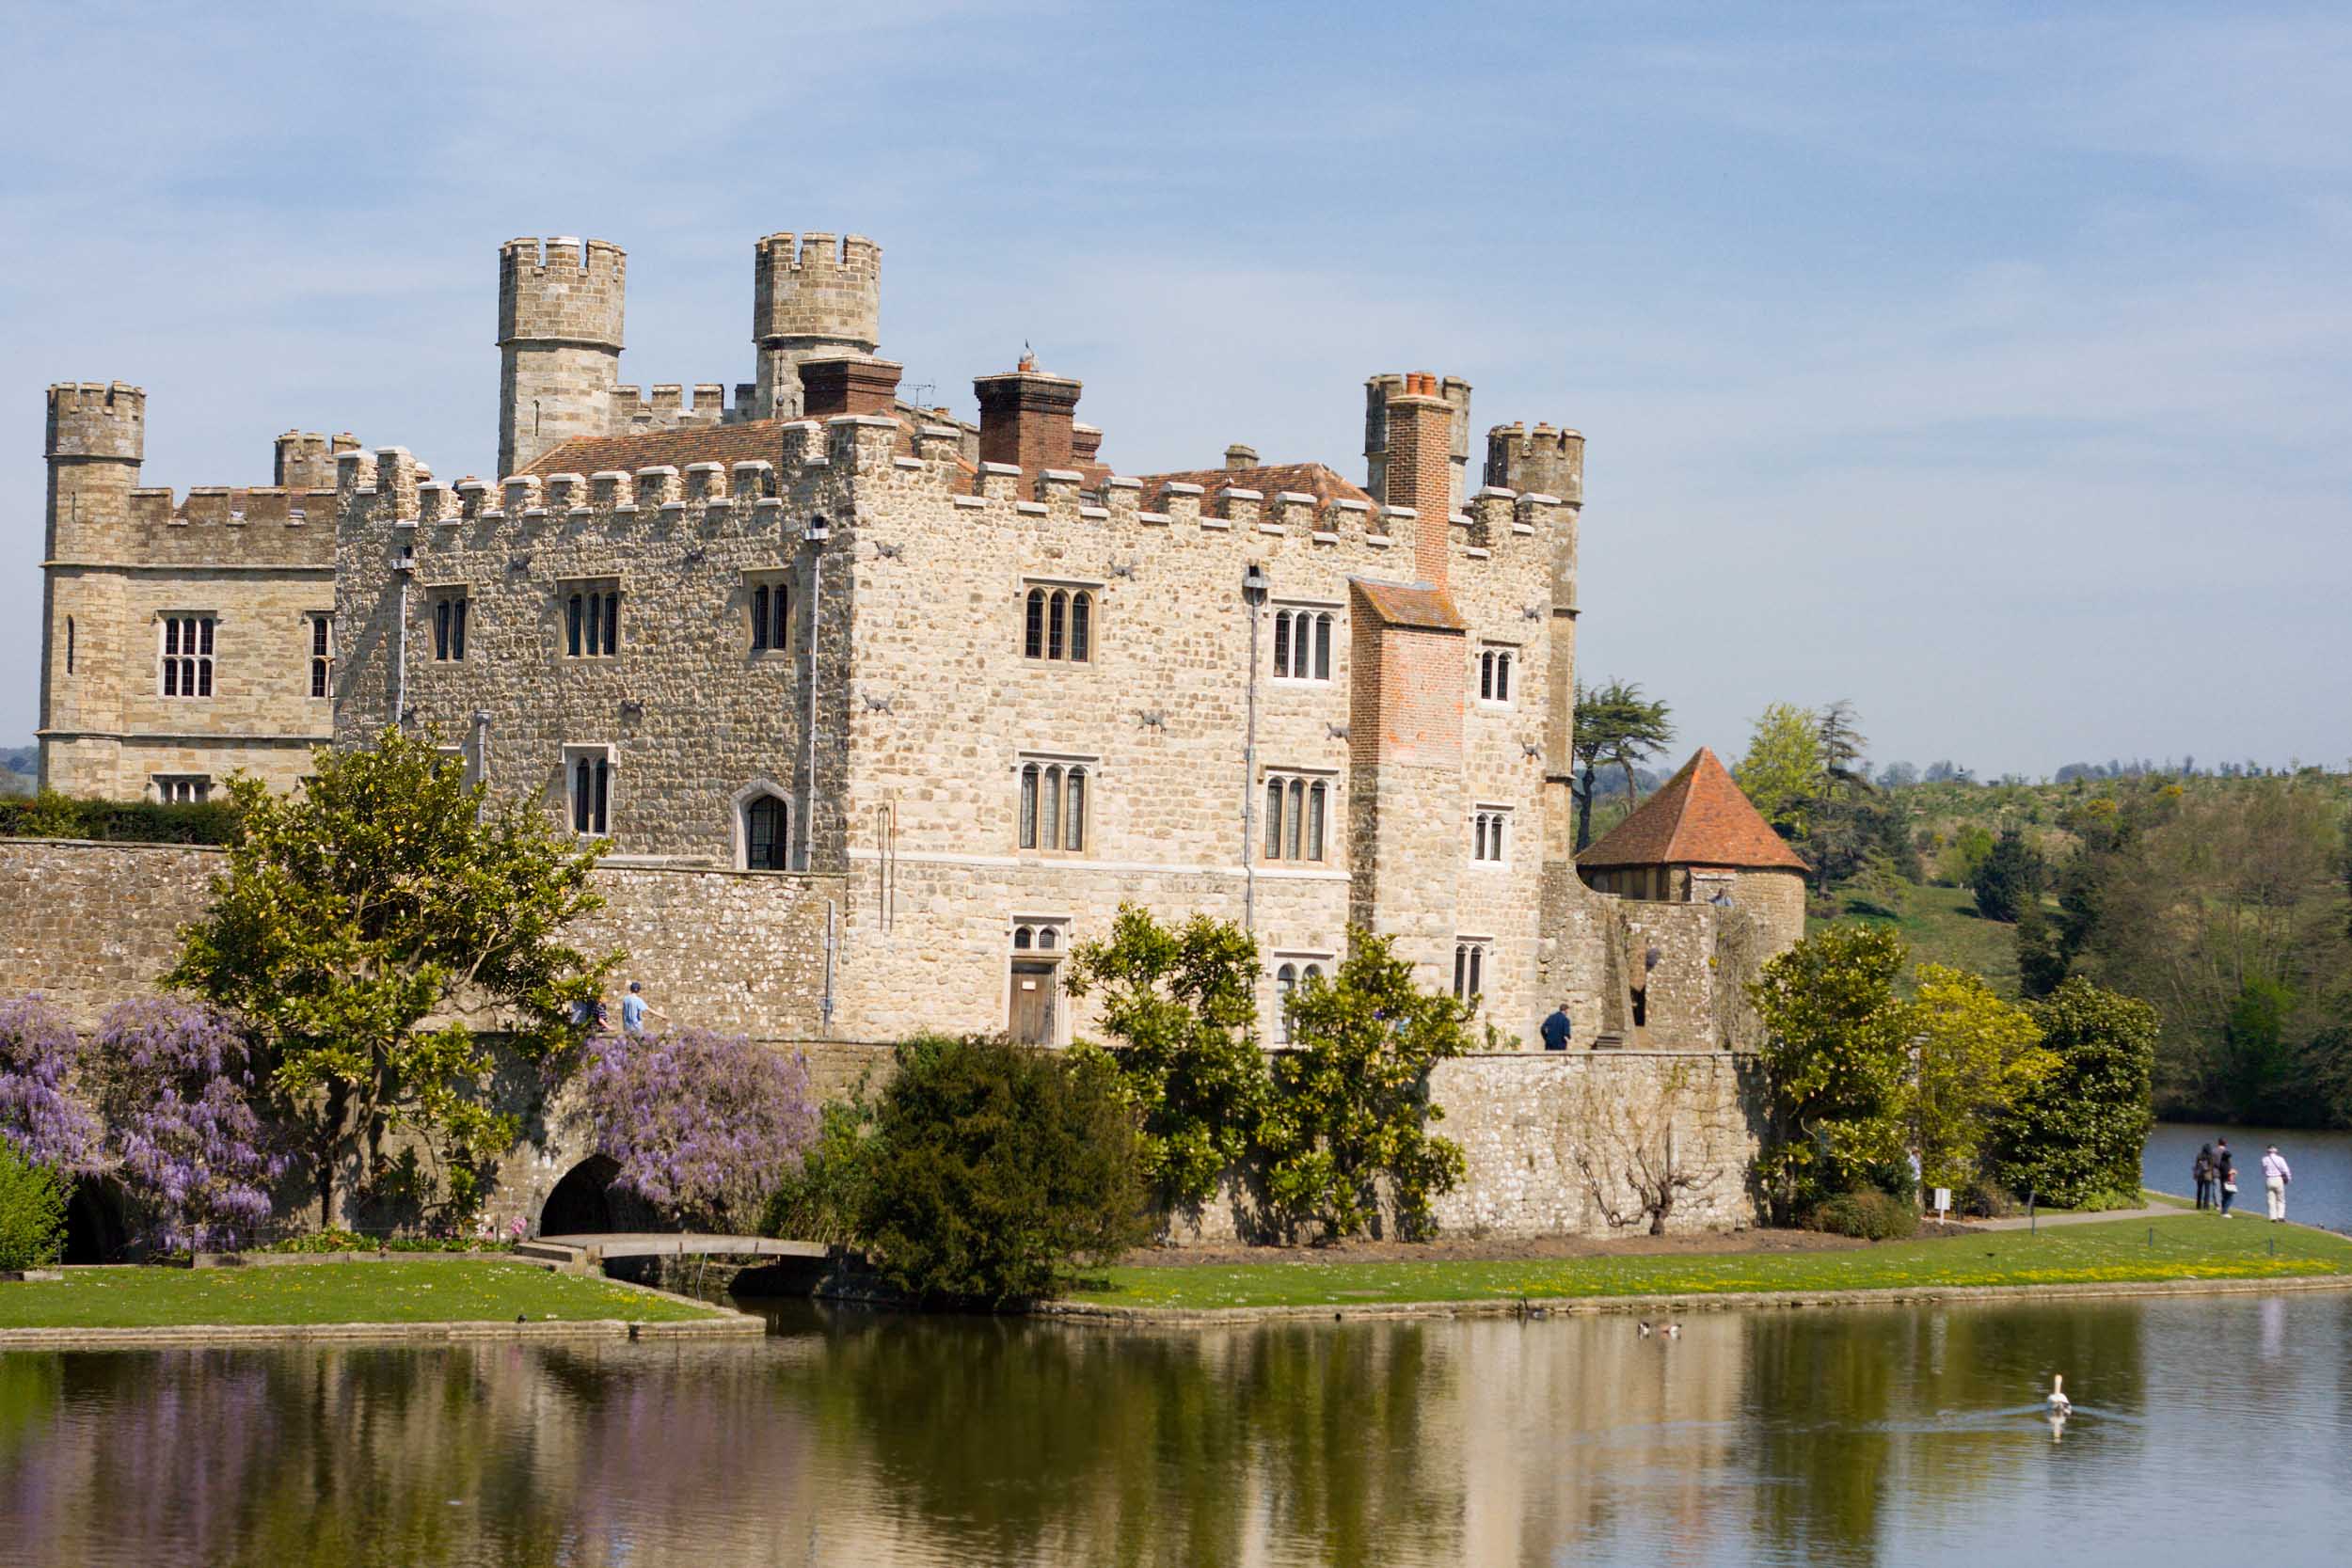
(361,920)
(2076,1137)
(2011,877)
(1615,727)
(996,1169)
(1976,1056)
(1351,1110)
(32,1211)
(1835,1060)
(2043,959)
(1181,1002)
(1783,771)
(2258,1056)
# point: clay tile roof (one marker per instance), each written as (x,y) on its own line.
(1697,817)
(1311,479)
(753,441)
(1410,604)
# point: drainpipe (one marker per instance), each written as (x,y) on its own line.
(833,912)
(818,534)
(1253,593)
(405,568)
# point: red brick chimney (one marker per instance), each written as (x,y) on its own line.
(1026,418)
(1420,454)
(852,383)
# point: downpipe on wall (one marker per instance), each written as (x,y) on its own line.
(818,534)
(1253,593)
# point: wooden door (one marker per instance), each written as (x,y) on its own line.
(1031,1021)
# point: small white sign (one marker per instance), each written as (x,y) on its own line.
(1943,1200)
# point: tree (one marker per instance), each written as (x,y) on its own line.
(1782,772)
(997,1168)
(1351,1110)
(174,1086)
(2076,1137)
(703,1126)
(1182,1004)
(1615,727)
(1841,746)
(1836,1057)
(1640,1157)
(1976,1056)
(386,893)
(2011,877)
(2043,958)
(32,1211)
(42,1112)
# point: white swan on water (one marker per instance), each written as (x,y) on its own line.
(2059,1403)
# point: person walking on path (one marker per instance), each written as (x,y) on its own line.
(2225,1172)
(2201,1168)
(634,1007)
(2275,1178)
(1557,1029)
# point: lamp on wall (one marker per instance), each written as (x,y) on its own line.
(1254,585)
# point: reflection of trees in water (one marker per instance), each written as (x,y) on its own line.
(1821,1391)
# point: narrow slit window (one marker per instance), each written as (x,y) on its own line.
(1081,613)
(69,644)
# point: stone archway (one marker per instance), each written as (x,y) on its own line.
(582,1202)
(97,1221)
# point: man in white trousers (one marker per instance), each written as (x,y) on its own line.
(2275,1178)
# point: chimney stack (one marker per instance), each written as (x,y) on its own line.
(1420,468)
(848,384)
(1238,458)
(1028,417)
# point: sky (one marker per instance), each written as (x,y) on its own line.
(1987,365)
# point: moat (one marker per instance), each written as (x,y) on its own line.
(2206,1430)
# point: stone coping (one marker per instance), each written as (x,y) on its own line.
(1728,1301)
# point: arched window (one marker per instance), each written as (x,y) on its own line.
(1054,797)
(1282,645)
(1296,809)
(1302,644)
(1494,675)
(1274,819)
(1315,820)
(1502,677)
(1470,963)
(1023,939)
(592,792)
(1297,819)
(1029,778)
(1057,623)
(767,834)
(1310,974)
(1045,939)
(1049,810)
(1033,639)
(1285,982)
(1487,834)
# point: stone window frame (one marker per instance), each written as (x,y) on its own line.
(1305,633)
(181,789)
(771,611)
(1042,937)
(590,610)
(1042,786)
(1491,832)
(738,816)
(1498,673)
(603,781)
(451,611)
(320,624)
(1061,621)
(1474,967)
(1289,969)
(1297,811)
(178,667)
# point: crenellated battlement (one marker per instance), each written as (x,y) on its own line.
(97,420)
(562,289)
(668,407)
(1542,459)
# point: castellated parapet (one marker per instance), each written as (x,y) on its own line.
(1378,389)
(812,295)
(1545,459)
(561,303)
(105,419)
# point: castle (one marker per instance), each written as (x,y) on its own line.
(961,688)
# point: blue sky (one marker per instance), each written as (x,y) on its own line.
(1987,365)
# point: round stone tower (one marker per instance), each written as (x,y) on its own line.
(560,305)
(96,439)
(1546,461)
(813,297)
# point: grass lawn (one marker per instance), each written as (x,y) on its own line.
(488,1292)
(1941,925)
(2188,1246)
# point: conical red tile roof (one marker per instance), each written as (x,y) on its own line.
(1697,817)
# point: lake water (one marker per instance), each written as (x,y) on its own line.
(2321,1193)
(2209,1431)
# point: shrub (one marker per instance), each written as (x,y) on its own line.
(40,1112)
(703,1126)
(32,1211)
(2080,1131)
(175,1084)
(1873,1215)
(995,1168)
(2009,877)
(825,1199)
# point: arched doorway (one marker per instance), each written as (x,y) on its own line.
(582,1203)
(97,1221)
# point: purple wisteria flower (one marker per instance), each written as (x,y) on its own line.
(40,1109)
(176,1085)
(702,1125)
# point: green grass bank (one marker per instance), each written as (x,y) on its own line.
(310,1295)
(2186,1247)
